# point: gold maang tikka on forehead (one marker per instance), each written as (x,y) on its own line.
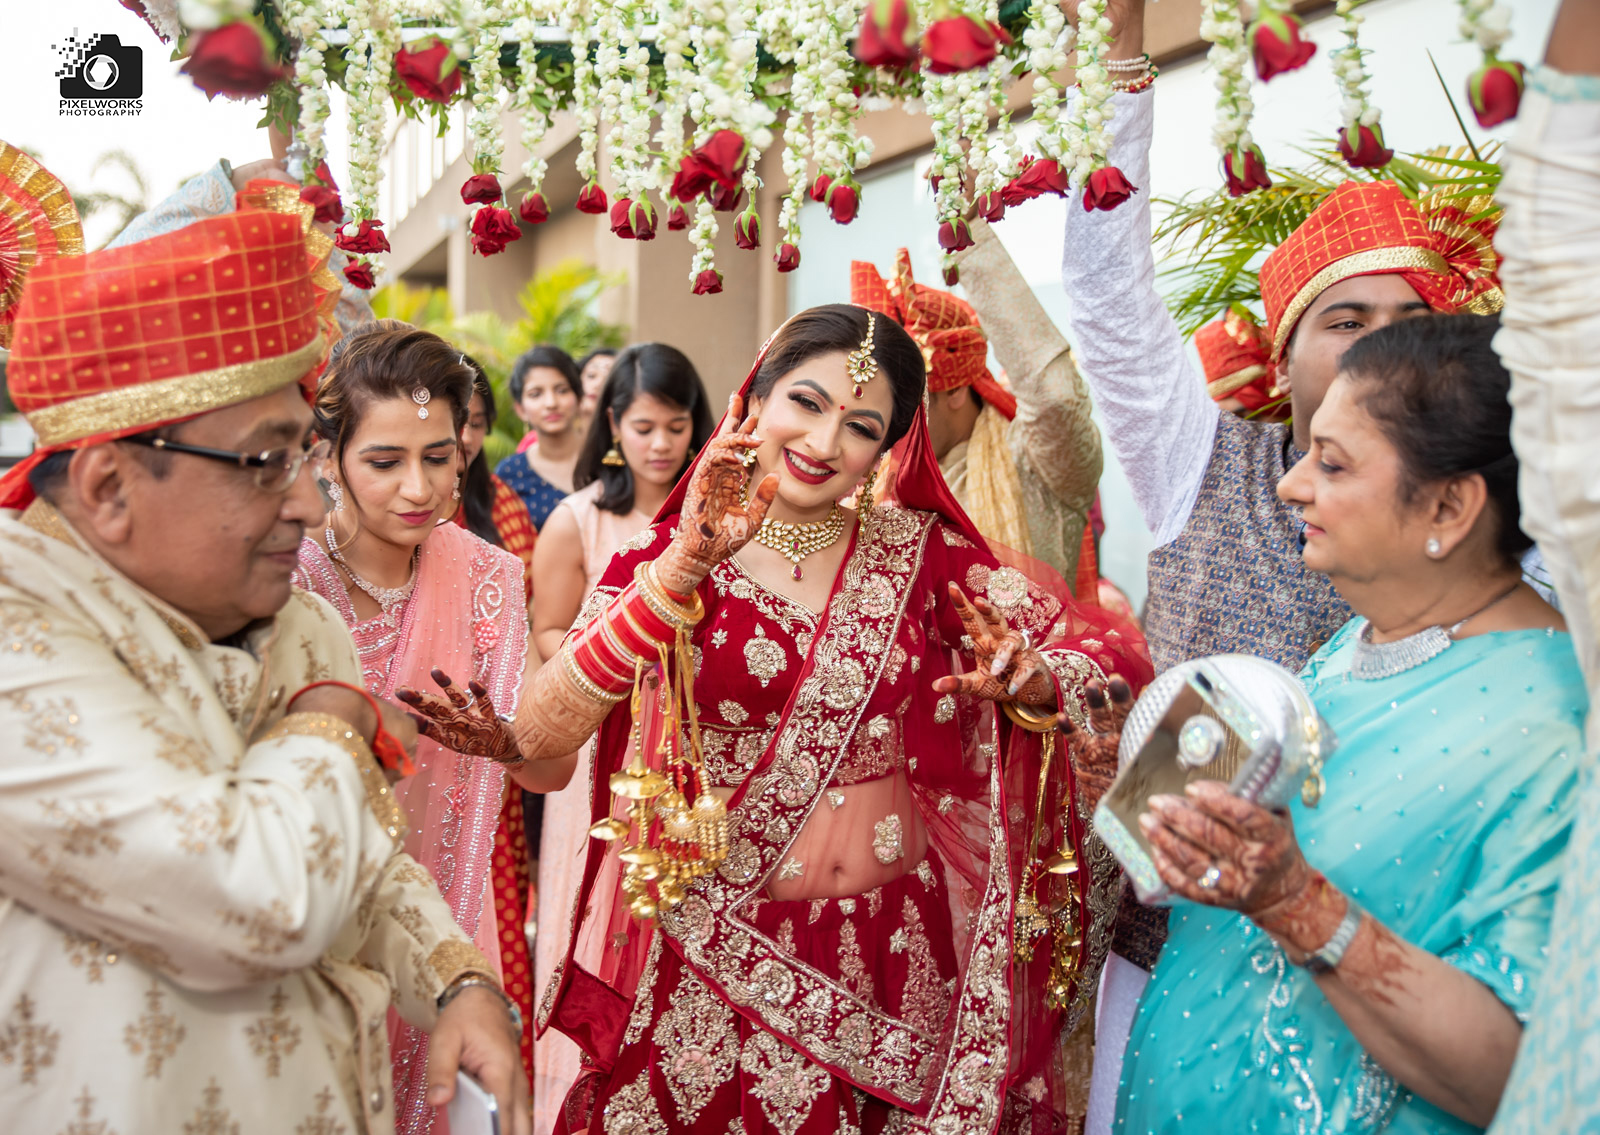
(861,366)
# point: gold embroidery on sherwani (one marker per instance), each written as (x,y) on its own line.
(268,930)
(698,1043)
(323,856)
(321,1123)
(200,822)
(23,629)
(211,1118)
(633,1111)
(49,730)
(85,827)
(787,1084)
(155,1035)
(178,749)
(27,1044)
(84,952)
(316,669)
(454,957)
(274,1036)
(84,1124)
(317,770)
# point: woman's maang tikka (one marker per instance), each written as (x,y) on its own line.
(861,366)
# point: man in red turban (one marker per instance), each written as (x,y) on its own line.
(1023,460)
(210,914)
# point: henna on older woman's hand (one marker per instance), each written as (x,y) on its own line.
(1093,751)
(461,723)
(1377,964)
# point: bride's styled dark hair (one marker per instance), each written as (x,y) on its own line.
(842,327)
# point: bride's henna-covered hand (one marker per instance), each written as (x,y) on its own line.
(1004,672)
(1261,870)
(716,522)
(1094,751)
(461,723)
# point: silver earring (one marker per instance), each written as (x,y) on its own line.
(1433,547)
(455,493)
(336,495)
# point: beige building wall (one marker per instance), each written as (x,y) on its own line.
(721,333)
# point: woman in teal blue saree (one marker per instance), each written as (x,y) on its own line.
(1365,965)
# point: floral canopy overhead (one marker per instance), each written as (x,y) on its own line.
(688,94)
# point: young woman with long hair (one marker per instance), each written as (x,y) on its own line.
(545,391)
(653,415)
(490,508)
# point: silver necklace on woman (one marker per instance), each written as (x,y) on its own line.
(1373,660)
(388,599)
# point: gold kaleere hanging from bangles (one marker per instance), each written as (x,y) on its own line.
(677,841)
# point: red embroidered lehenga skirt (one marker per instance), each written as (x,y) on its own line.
(690,1064)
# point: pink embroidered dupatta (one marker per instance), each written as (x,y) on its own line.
(888,610)
(465,617)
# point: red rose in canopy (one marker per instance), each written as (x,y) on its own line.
(747,231)
(1495,91)
(955,235)
(368,237)
(708,283)
(329,209)
(1246,171)
(359,273)
(886,37)
(592,199)
(1036,178)
(720,161)
(1106,189)
(788,258)
(951,272)
(1362,147)
(1278,45)
(843,200)
(633,220)
(960,43)
(481,189)
(819,188)
(725,198)
(429,69)
(233,60)
(492,229)
(534,209)
(677,218)
(993,206)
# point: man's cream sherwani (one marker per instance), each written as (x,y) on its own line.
(204,914)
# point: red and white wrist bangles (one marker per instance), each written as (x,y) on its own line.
(603,656)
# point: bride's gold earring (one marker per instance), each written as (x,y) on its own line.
(864,502)
(613,455)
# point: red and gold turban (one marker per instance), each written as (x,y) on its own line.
(1236,356)
(224,310)
(953,344)
(1372,228)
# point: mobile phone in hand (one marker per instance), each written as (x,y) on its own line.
(473,1111)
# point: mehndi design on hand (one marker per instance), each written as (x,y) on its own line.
(462,723)
(1007,668)
(1094,751)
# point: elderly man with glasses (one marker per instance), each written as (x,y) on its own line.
(205,914)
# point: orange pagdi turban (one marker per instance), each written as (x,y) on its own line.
(1236,356)
(953,344)
(118,342)
(1372,228)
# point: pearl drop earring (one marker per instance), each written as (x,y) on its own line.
(1434,549)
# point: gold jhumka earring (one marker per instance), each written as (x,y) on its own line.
(676,842)
(613,455)
(864,501)
(861,366)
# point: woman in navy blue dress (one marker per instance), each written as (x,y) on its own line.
(545,390)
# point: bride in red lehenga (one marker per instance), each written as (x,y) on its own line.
(849,964)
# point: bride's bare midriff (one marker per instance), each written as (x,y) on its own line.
(835,848)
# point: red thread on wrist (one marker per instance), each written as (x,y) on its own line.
(385,746)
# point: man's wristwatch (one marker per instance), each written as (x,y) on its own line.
(467,981)
(1327,959)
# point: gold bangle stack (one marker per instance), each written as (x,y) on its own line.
(671,611)
(589,689)
(1029,718)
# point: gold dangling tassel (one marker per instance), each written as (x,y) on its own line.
(613,455)
(864,501)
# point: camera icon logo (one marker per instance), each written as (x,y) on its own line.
(100,67)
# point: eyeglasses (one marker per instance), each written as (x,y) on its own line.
(275,469)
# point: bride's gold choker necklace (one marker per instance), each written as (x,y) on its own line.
(794,542)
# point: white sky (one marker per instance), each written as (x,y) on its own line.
(179,133)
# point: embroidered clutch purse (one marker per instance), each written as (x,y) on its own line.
(1234,718)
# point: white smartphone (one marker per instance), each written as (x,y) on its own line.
(473,1110)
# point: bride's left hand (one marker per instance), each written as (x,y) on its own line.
(462,722)
(1008,668)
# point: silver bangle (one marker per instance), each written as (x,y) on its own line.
(1327,959)
(467,981)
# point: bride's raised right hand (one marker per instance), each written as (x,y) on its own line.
(716,520)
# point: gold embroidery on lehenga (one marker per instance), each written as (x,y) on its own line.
(732,712)
(923,1002)
(852,966)
(944,710)
(888,839)
(274,1036)
(644,994)
(633,1110)
(156,1035)
(699,1043)
(764,658)
(27,1044)
(786,936)
(787,1084)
